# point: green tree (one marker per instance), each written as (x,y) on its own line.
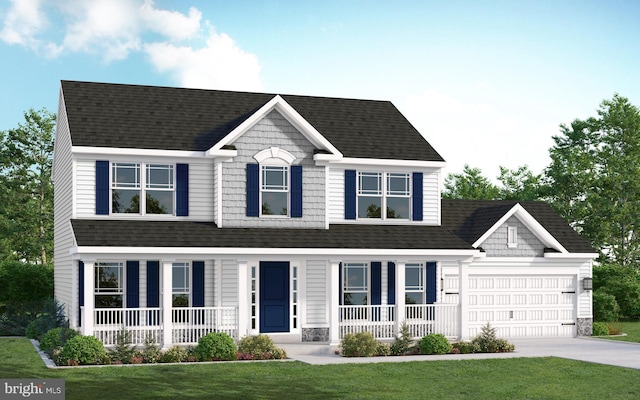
(594,179)
(26,219)
(520,184)
(471,185)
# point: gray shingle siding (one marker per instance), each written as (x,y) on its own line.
(272,131)
(528,244)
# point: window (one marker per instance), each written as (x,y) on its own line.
(512,236)
(109,284)
(127,186)
(414,283)
(180,290)
(355,283)
(275,190)
(379,191)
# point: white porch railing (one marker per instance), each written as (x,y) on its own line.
(187,326)
(379,320)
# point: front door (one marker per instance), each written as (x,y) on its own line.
(274,296)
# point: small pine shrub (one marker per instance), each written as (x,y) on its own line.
(599,329)
(216,346)
(123,351)
(151,352)
(402,343)
(361,344)
(487,341)
(434,343)
(84,350)
(259,347)
(56,337)
(175,354)
(51,316)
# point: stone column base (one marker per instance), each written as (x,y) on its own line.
(315,334)
(585,326)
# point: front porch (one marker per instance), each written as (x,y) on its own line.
(187,324)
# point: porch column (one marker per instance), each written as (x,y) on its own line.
(334,302)
(89,298)
(400,300)
(167,304)
(463,300)
(243,299)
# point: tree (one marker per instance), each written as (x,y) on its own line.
(520,184)
(26,221)
(594,179)
(471,185)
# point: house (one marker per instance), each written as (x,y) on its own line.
(179,212)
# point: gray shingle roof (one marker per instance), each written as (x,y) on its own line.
(152,117)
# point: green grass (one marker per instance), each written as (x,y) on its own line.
(523,378)
(631,328)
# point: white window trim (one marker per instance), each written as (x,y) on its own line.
(421,288)
(367,268)
(384,195)
(512,236)
(189,290)
(142,188)
(275,157)
(123,284)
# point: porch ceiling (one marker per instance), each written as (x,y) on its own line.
(121,233)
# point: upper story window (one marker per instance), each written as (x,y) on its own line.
(379,191)
(136,193)
(512,236)
(274,192)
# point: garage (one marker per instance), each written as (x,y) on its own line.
(523,306)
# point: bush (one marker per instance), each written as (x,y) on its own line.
(56,337)
(402,343)
(600,329)
(175,354)
(83,350)
(361,344)
(623,282)
(151,352)
(605,306)
(488,342)
(434,343)
(123,351)
(216,346)
(259,347)
(383,349)
(462,347)
(615,328)
(51,316)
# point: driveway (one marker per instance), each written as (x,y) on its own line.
(622,354)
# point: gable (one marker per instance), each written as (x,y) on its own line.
(527,243)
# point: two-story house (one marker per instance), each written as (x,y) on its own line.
(179,212)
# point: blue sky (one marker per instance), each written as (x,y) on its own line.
(487,83)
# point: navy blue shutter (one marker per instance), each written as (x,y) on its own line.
(133,284)
(102,187)
(350,200)
(340,284)
(376,282)
(80,290)
(416,196)
(253,190)
(153,284)
(296,191)
(430,294)
(391,283)
(182,190)
(197,277)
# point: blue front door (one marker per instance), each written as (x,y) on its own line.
(274,296)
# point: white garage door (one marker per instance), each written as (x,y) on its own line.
(523,306)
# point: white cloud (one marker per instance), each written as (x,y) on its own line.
(113,29)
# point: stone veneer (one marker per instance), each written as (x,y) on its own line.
(585,326)
(315,334)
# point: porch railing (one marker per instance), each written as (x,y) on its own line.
(380,320)
(188,324)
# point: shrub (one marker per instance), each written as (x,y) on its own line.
(123,351)
(503,346)
(605,306)
(623,282)
(488,342)
(361,344)
(175,354)
(50,316)
(599,329)
(216,346)
(462,347)
(615,328)
(56,337)
(259,347)
(434,343)
(402,343)
(84,350)
(151,352)
(383,349)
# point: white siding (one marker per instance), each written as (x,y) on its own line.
(431,197)
(316,293)
(64,274)
(229,283)
(584,297)
(335,194)
(85,188)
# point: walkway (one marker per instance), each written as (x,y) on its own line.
(602,351)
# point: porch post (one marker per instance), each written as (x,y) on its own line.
(463,299)
(167,304)
(400,298)
(243,299)
(89,298)
(334,302)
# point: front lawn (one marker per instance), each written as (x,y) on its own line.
(631,328)
(519,378)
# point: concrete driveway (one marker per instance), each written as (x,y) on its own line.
(622,354)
